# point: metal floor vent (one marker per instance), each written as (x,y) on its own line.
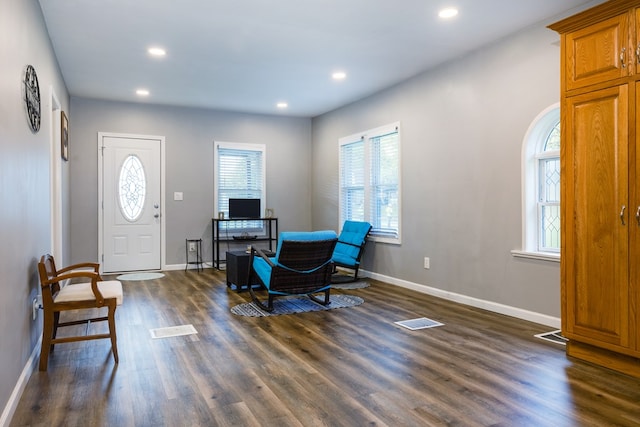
(419,323)
(172,331)
(553,336)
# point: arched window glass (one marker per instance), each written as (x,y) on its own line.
(541,187)
(549,192)
(132,187)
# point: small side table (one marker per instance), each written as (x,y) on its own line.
(197,243)
(237,269)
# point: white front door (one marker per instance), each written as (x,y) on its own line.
(131,216)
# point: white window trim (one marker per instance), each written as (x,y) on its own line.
(239,146)
(381,130)
(534,136)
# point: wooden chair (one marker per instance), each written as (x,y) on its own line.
(349,249)
(302,266)
(57,298)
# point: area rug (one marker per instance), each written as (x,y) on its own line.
(353,285)
(172,331)
(140,276)
(293,305)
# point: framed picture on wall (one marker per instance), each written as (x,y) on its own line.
(64,136)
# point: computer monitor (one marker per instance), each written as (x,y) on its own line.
(244,208)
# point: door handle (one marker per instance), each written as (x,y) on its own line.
(156,216)
(155,205)
(622,55)
(622,214)
(638,216)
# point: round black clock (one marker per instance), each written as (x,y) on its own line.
(32,98)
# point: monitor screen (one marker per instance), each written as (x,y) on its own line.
(244,208)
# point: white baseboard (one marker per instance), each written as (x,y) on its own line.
(14,399)
(543,319)
(171,267)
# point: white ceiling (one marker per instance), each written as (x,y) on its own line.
(247,55)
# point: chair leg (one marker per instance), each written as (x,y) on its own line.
(112,330)
(254,298)
(326,301)
(54,333)
(47,337)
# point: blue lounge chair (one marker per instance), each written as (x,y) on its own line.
(301,266)
(349,249)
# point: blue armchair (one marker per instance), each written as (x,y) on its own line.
(349,249)
(301,266)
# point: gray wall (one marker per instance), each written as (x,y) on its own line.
(189,144)
(24,182)
(462,128)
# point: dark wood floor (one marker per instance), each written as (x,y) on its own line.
(343,367)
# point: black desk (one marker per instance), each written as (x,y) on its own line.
(218,234)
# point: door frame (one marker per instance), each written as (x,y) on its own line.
(58,242)
(163,225)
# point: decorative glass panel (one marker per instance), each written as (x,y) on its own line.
(132,188)
(551,180)
(553,139)
(551,227)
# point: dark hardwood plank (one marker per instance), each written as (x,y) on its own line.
(344,367)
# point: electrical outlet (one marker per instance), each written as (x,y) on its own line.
(192,246)
(426,263)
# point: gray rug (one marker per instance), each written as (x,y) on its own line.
(293,305)
(353,285)
(140,276)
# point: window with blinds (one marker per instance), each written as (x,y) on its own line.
(370,181)
(240,174)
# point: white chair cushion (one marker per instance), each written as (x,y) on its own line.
(83,292)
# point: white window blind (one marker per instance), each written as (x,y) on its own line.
(370,181)
(385,182)
(240,173)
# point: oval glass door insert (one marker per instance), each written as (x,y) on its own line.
(132,188)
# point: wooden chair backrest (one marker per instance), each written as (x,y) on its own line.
(46,271)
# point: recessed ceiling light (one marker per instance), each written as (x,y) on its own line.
(447,13)
(339,75)
(282,105)
(157,51)
(142,92)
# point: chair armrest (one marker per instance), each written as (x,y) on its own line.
(95,278)
(80,266)
(262,255)
(355,245)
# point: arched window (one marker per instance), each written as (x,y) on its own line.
(541,187)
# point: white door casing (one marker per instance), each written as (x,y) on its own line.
(130,232)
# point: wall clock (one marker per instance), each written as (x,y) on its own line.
(32,98)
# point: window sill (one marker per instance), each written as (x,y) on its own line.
(543,256)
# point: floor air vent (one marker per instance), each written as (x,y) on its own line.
(553,336)
(419,323)
(172,331)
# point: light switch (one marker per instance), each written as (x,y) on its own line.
(177,195)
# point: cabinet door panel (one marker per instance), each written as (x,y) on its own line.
(593,53)
(596,218)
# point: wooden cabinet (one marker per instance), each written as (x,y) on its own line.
(597,53)
(600,179)
(595,214)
